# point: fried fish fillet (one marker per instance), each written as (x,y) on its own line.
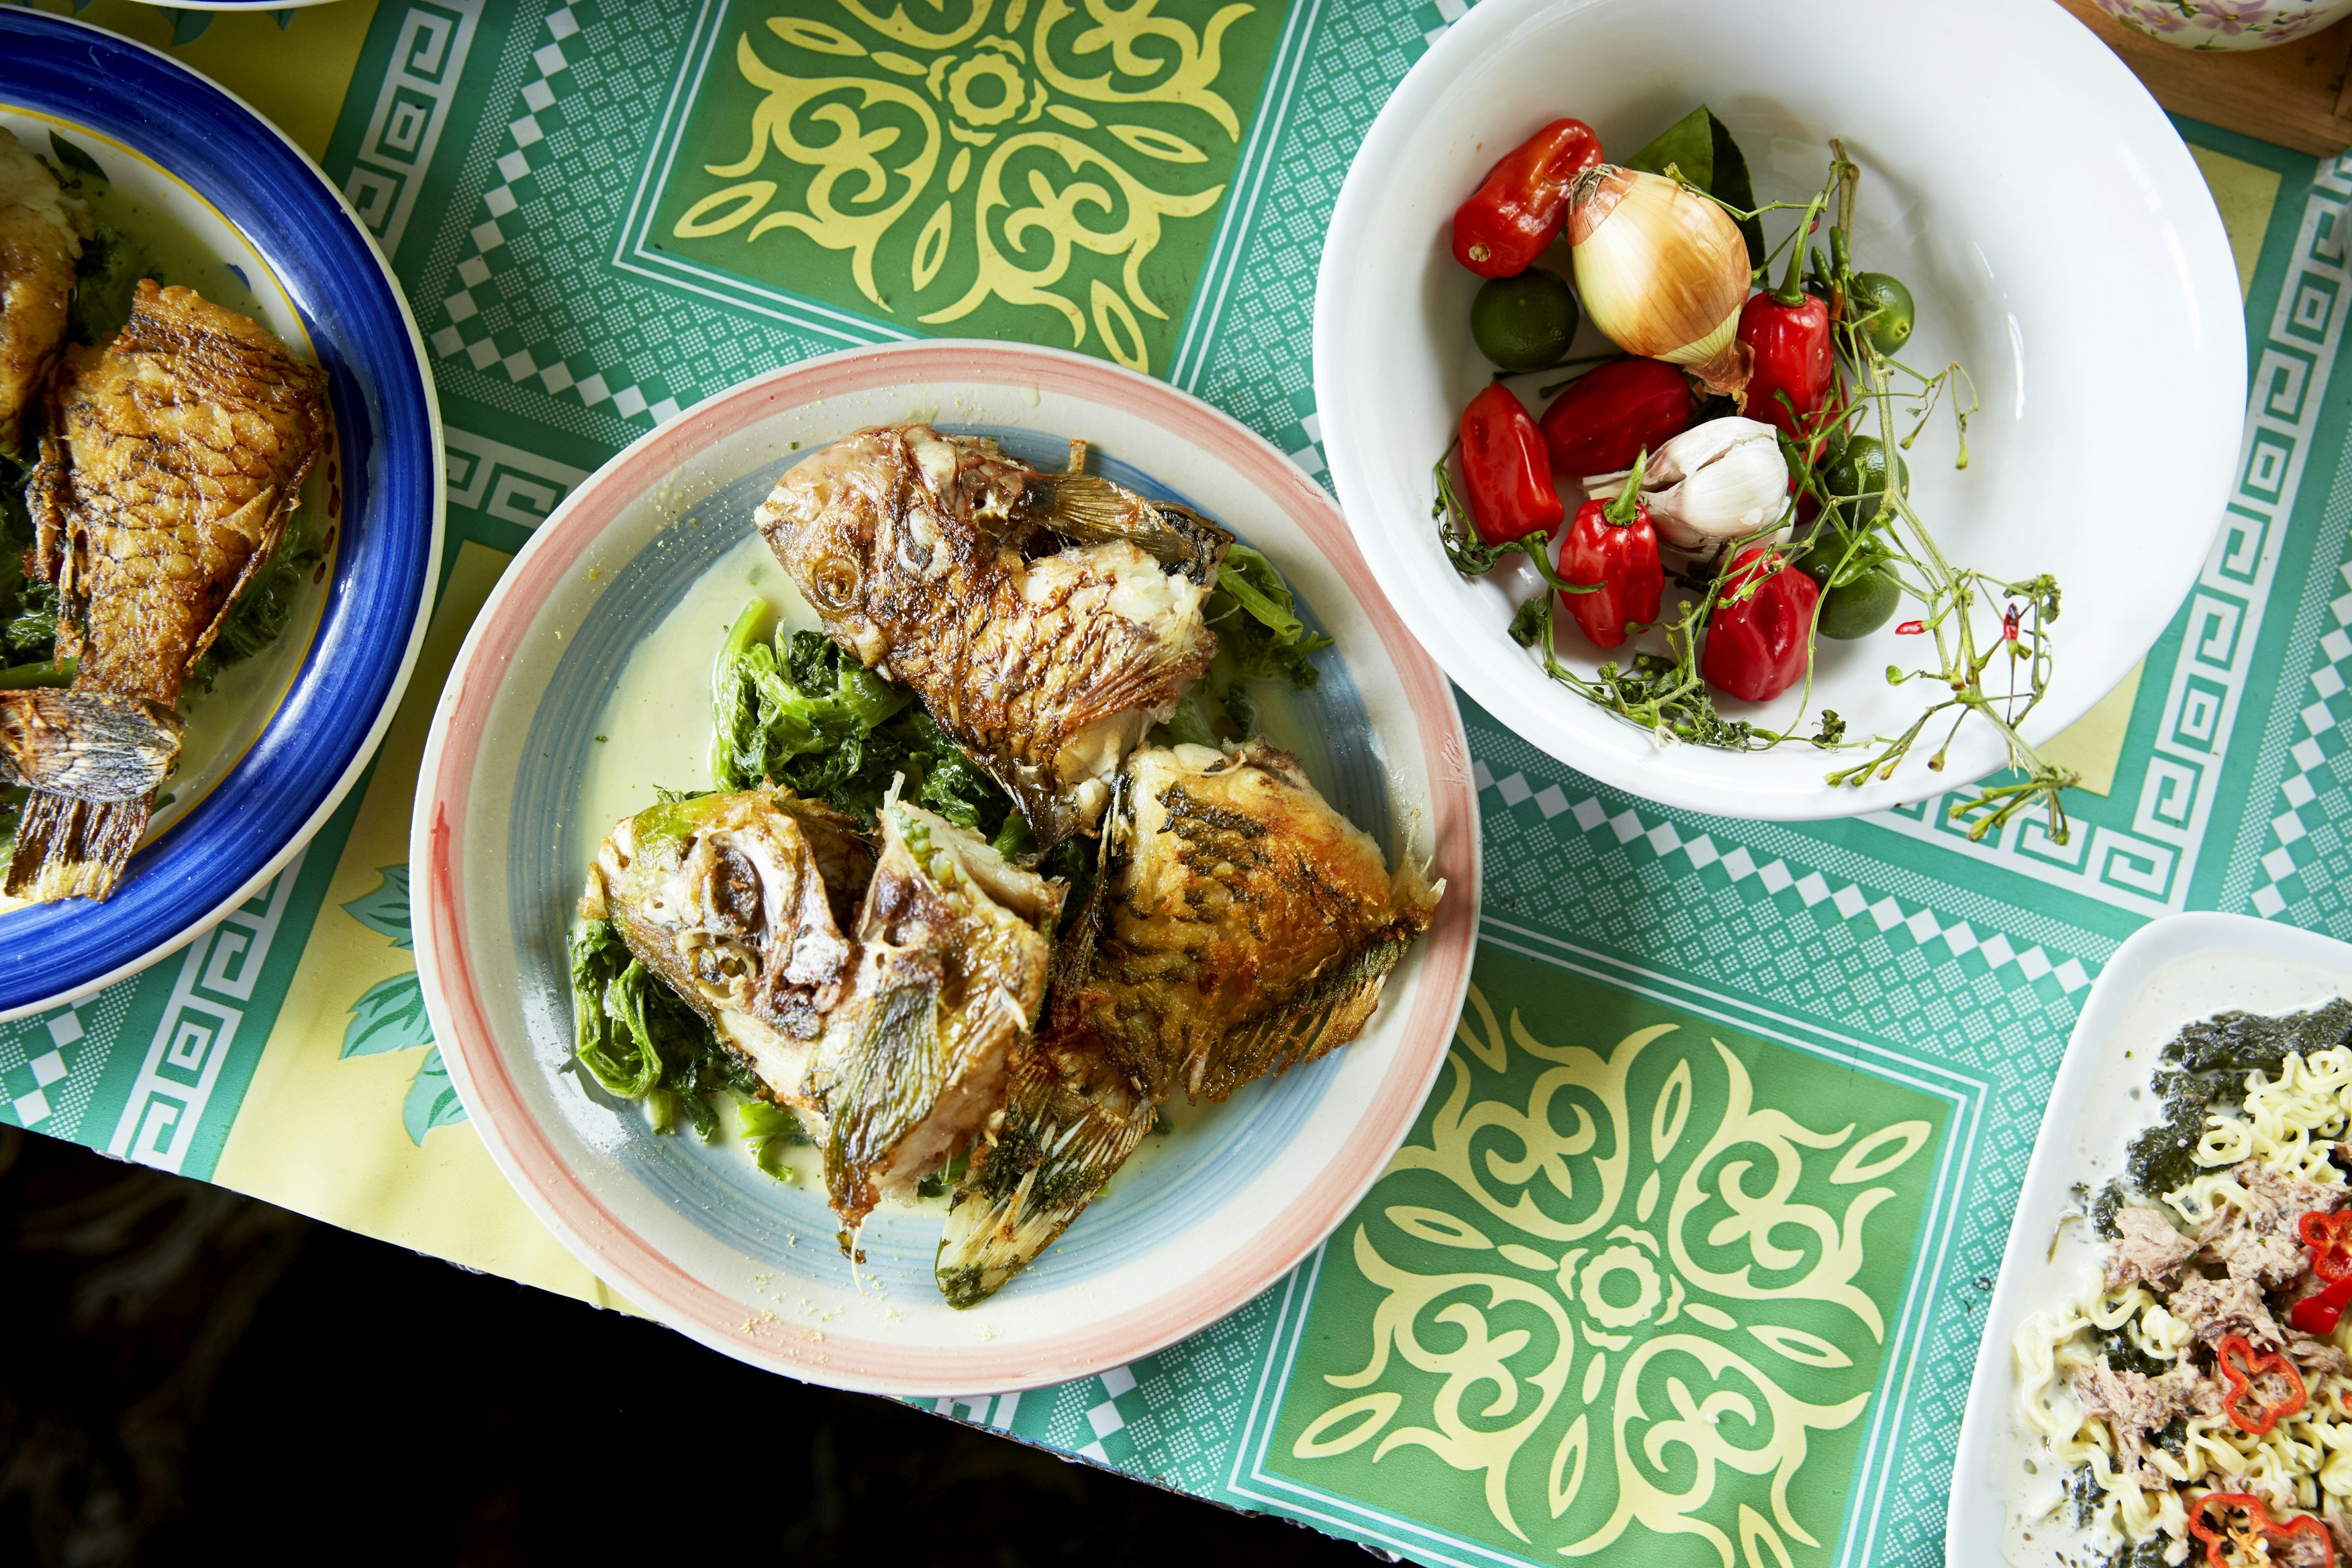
(739,902)
(1252,927)
(40,240)
(946,565)
(171,461)
(953,947)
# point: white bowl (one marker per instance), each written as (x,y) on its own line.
(2052,225)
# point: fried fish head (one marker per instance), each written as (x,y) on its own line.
(732,900)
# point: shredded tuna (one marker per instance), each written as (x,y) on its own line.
(2337,1525)
(2316,1358)
(2212,1308)
(2300,1551)
(2255,1239)
(2150,1248)
(2133,1405)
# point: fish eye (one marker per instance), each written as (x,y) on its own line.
(833,583)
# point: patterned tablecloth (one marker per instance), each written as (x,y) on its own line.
(1689,1248)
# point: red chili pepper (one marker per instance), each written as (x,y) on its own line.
(1758,646)
(1910,628)
(2008,623)
(1612,548)
(1522,204)
(1609,416)
(2249,1410)
(2209,1522)
(2318,1315)
(1788,332)
(2329,1237)
(1506,468)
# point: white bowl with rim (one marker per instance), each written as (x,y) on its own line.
(2053,226)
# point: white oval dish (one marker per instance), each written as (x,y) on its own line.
(556,722)
(2172,973)
(2050,222)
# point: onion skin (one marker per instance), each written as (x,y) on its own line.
(1663,271)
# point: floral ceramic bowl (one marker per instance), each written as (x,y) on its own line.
(2226,24)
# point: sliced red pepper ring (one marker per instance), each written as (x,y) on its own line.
(2329,1237)
(2251,1409)
(2318,1315)
(2240,1524)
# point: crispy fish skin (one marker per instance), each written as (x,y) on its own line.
(738,903)
(920,554)
(1251,927)
(40,242)
(954,947)
(172,460)
(89,745)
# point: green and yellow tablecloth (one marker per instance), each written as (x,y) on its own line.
(1688,1252)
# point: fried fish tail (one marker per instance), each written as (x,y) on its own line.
(1070,1121)
(69,848)
(87,745)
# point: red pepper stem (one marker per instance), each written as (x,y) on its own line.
(1626,510)
(1792,290)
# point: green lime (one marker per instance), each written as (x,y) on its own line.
(1890,327)
(1524,322)
(1856,478)
(1860,607)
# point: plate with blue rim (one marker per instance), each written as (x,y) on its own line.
(219,199)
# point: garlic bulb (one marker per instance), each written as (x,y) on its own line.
(1663,271)
(1721,481)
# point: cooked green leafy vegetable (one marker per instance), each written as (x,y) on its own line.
(1260,636)
(639,1041)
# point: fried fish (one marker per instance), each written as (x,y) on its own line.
(1245,928)
(946,565)
(1252,927)
(40,240)
(954,943)
(171,461)
(739,902)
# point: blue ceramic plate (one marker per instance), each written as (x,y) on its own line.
(227,205)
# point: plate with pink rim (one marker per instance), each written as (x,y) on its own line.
(584,687)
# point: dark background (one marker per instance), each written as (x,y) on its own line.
(190,1376)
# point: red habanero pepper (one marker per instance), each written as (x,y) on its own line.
(2211,1522)
(1610,413)
(2249,1409)
(1522,204)
(1787,332)
(1506,468)
(1612,549)
(1758,646)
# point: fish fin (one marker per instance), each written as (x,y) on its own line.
(74,849)
(884,1083)
(1092,511)
(282,504)
(87,745)
(1327,1015)
(1061,1140)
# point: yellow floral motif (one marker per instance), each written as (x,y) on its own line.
(1009,141)
(1679,1375)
